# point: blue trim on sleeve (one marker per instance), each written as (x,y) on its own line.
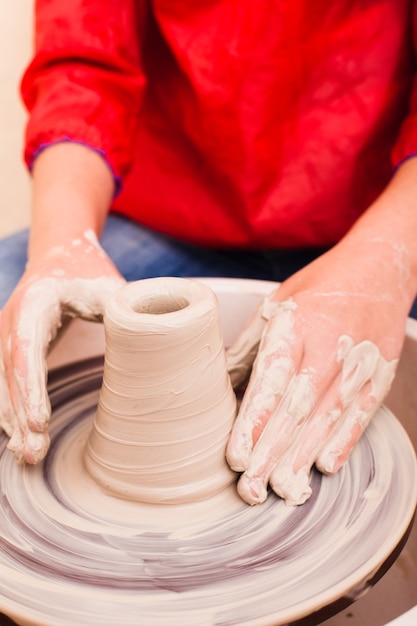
(412,155)
(43,146)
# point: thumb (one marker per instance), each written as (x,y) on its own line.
(241,355)
(87,297)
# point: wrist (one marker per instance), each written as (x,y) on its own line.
(389,230)
(72,192)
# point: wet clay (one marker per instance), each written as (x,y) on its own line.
(75,552)
(166,406)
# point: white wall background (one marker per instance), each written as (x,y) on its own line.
(15,50)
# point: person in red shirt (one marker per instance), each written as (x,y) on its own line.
(256,134)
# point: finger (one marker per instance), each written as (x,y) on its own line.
(360,412)
(10,401)
(11,421)
(37,325)
(6,410)
(87,298)
(355,419)
(290,479)
(360,361)
(274,366)
(241,355)
(33,410)
(284,424)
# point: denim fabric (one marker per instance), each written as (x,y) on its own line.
(12,262)
(141,253)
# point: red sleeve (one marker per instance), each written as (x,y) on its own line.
(406,145)
(85,82)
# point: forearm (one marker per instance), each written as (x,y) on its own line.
(72,192)
(389,228)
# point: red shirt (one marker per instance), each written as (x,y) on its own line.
(239,123)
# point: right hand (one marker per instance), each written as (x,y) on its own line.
(74,280)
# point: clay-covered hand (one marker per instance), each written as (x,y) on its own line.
(324,348)
(70,281)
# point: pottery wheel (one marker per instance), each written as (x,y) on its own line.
(71,554)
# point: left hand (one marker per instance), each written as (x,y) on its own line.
(326,343)
(71,280)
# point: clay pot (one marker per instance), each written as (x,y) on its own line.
(166,405)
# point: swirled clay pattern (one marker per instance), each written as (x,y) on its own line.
(72,554)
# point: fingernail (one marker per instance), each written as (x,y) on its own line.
(15,445)
(293,488)
(327,464)
(252,490)
(36,446)
(238,456)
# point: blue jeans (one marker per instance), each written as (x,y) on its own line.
(141,253)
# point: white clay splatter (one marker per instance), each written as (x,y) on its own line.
(366,379)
